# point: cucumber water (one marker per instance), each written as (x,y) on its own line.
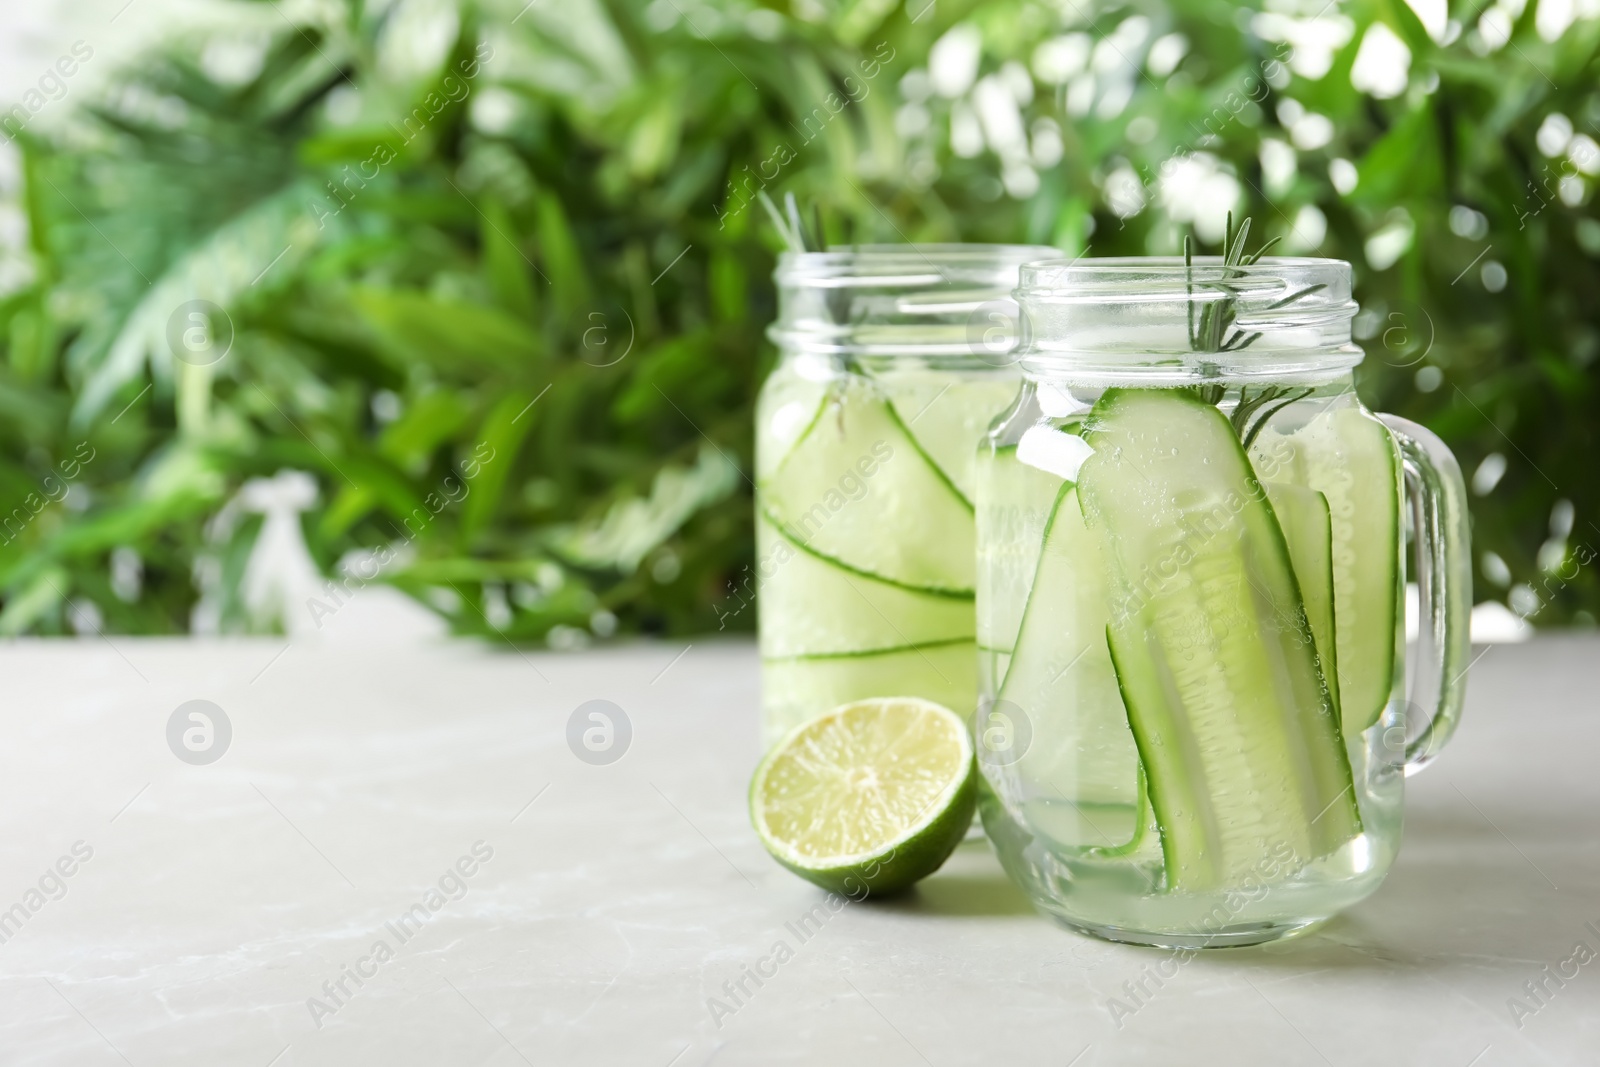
(865,536)
(1198,761)
(1211,644)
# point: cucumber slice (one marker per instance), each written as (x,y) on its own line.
(799,688)
(857,490)
(809,606)
(787,406)
(1015,501)
(1062,680)
(1210,644)
(1303,516)
(947,415)
(1351,459)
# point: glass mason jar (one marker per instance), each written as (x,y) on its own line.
(893,361)
(1194,728)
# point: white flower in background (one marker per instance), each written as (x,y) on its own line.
(1130,33)
(84,616)
(1080,95)
(1021,181)
(953,60)
(1308,130)
(1344,176)
(1194,188)
(416,38)
(1124,192)
(127,574)
(1060,59)
(1585,154)
(1000,118)
(1278,166)
(1047,146)
(1383,63)
(912,120)
(1489,473)
(233,61)
(1390,242)
(1465,222)
(1494,29)
(1116,97)
(1312,41)
(1434,16)
(966,135)
(1307,230)
(1495,569)
(1571,190)
(1553,17)
(1015,75)
(916,86)
(280,576)
(495,110)
(1166,53)
(1555,133)
(1115,66)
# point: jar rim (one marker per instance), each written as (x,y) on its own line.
(1135,276)
(905,264)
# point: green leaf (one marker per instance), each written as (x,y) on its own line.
(454,336)
(508,269)
(494,457)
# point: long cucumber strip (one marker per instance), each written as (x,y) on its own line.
(856,489)
(1350,457)
(1210,644)
(1061,678)
(1303,516)
(797,688)
(809,606)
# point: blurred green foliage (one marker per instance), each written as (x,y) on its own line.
(494,274)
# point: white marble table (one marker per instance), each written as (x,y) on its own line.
(619,898)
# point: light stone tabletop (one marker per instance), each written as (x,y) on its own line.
(536,908)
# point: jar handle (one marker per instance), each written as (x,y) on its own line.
(1437,498)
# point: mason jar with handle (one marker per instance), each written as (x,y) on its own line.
(1195,727)
(893,361)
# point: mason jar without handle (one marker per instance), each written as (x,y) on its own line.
(1194,728)
(893,361)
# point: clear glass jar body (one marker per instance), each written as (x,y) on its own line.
(894,361)
(1192,726)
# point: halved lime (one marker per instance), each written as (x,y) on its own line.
(869,797)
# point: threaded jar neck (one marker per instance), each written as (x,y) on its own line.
(1160,320)
(944,302)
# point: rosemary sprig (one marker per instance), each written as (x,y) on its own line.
(791,225)
(1216,329)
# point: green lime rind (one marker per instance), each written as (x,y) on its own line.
(897,860)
